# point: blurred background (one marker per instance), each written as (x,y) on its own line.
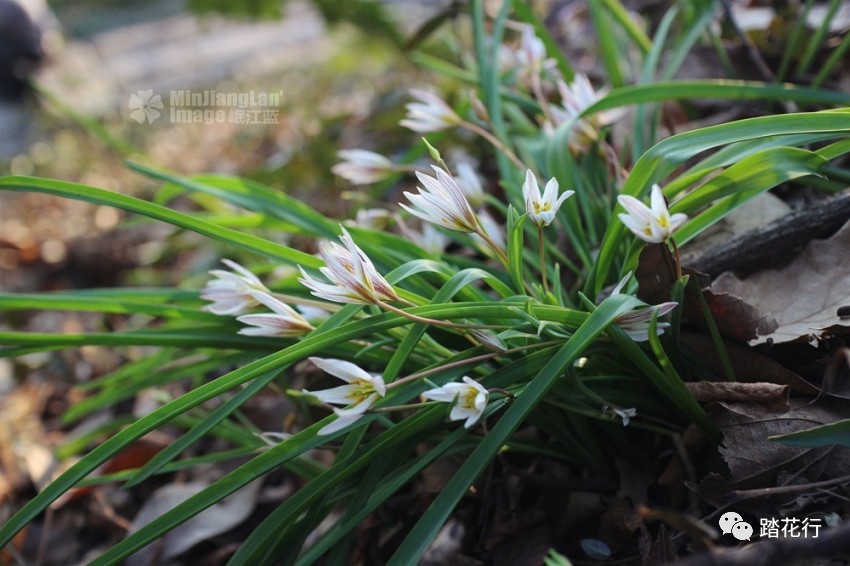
(107,75)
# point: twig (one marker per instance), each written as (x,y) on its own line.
(768,491)
(771,244)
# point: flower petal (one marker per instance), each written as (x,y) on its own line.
(342,369)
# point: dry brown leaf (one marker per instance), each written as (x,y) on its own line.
(663,550)
(804,296)
(734,317)
(218,519)
(770,395)
(749,366)
(748,452)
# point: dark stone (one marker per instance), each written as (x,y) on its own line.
(20,49)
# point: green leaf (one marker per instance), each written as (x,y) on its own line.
(742,181)
(197,337)
(720,89)
(515,248)
(610,49)
(833,434)
(624,19)
(178,446)
(75,302)
(246,194)
(665,156)
(418,540)
(131,204)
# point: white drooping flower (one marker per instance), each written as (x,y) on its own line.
(428,238)
(372,218)
(442,202)
(352,275)
(314,315)
(531,53)
(231,293)
(429,114)
(362,167)
(652,224)
(468,399)
(625,414)
(577,96)
(636,323)
(542,208)
(361,392)
(470,184)
(283,321)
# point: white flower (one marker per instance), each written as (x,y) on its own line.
(429,114)
(653,225)
(580,95)
(313,314)
(542,209)
(577,96)
(532,51)
(441,201)
(362,167)
(469,399)
(636,322)
(283,322)
(372,218)
(353,277)
(507,59)
(231,293)
(624,414)
(361,392)
(429,239)
(469,182)
(432,240)
(145,106)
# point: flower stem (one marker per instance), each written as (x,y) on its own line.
(494,141)
(493,245)
(678,258)
(474,359)
(504,392)
(542,260)
(537,87)
(402,407)
(434,321)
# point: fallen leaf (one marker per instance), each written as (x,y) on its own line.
(446,545)
(734,317)
(663,550)
(749,365)
(804,296)
(218,519)
(747,450)
(770,395)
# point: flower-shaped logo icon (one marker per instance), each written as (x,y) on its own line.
(145,106)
